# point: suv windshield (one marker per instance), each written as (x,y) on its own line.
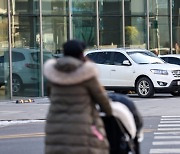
(145,57)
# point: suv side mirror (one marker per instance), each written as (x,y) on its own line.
(126,62)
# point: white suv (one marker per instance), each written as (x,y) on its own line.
(140,70)
(25,68)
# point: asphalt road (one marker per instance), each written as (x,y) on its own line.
(161,115)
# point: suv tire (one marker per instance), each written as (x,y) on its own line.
(144,87)
(17,85)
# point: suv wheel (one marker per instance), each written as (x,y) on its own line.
(144,87)
(17,85)
(176,93)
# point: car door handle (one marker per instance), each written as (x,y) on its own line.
(113,70)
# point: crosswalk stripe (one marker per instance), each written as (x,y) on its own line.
(166,129)
(168,133)
(170,116)
(169,122)
(166,143)
(161,133)
(170,119)
(166,137)
(163,151)
(169,125)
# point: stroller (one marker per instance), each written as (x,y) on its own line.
(124,128)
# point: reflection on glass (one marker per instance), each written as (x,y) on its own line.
(135,32)
(159,40)
(84,29)
(4,87)
(26,77)
(3,7)
(51,7)
(134,7)
(110,31)
(110,7)
(159,24)
(85,6)
(25,32)
(158,7)
(55,33)
(176,25)
(25,6)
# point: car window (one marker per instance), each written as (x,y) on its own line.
(36,56)
(118,58)
(17,56)
(174,60)
(165,59)
(145,57)
(100,57)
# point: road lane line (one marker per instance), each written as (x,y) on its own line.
(22,135)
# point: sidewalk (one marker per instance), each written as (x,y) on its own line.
(11,111)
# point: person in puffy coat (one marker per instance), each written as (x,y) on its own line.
(73,123)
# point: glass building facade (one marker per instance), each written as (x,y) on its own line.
(31,31)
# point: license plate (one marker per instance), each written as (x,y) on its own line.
(178,82)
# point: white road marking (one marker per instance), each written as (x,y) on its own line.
(170,119)
(162,133)
(170,116)
(168,129)
(169,125)
(166,137)
(163,151)
(168,133)
(166,143)
(169,122)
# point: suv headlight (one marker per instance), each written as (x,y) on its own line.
(160,72)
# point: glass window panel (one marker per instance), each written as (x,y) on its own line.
(84,29)
(25,6)
(107,7)
(26,76)
(134,7)
(25,32)
(53,7)
(55,33)
(135,32)
(4,69)
(158,7)
(176,25)
(160,35)
(83,6)
(110,31)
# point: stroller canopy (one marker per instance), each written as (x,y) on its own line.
(122,113)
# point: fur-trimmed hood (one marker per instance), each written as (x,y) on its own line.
(68,70)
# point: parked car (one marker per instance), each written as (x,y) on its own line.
(171,58)
(25,68)
(124,69)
